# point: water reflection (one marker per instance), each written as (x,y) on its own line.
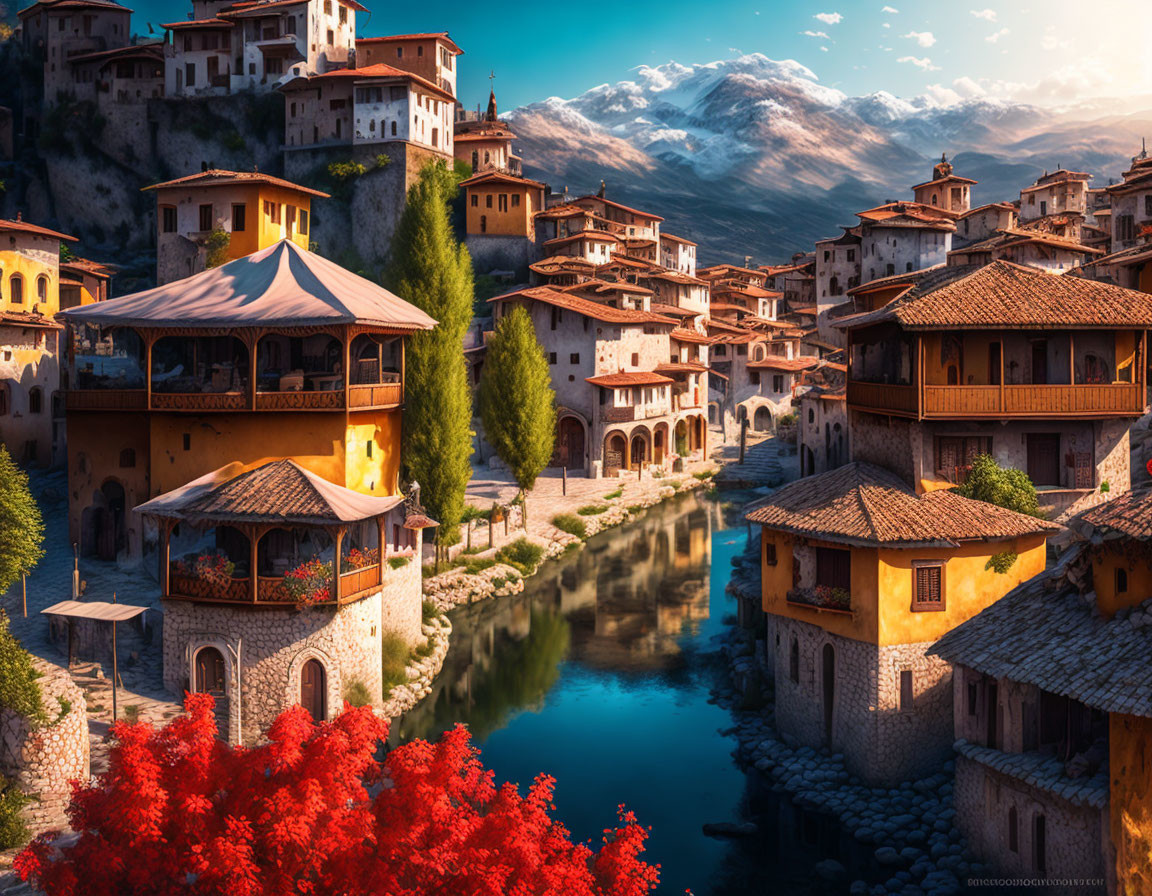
(601,674)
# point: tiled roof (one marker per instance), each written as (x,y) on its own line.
(1057,641)
(18,226)
(622,380)
(1004,239)
(218,177)
(398,38)
(499,177)
(29,320)
(624,208)
(865,505)
(672,238)
(1129,515)
(1011,296)
(595,310)
(680,334)
(681,367)
(1005,206)
(370,72)
(671,310)
(149,51)
(593,235)
(951,178)
(908,214)
(771,362)
(1043,772)
(197,24)
(280,491)
(92,268)
(72,4)
(257,7)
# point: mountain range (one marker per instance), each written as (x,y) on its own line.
(755,157)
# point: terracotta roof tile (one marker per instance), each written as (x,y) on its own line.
(595,310)
(865,505)
(7,226)
(623,380)
(218,177)
(1129,515)
(772,362)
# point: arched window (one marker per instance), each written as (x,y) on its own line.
(16,289)
(794,661)
(42,288)
(208,671)
(811,415)
(35,400)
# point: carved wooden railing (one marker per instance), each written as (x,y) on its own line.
(297,401)
(199,401)
(237,590)
(106,399)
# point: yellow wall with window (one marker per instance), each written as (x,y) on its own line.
(32,261)
(515,221)
(1112,566)
(291,203)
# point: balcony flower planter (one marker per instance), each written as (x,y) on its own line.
(208,575)
(822,598)
(310,582)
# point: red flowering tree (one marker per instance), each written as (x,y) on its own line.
(313,812)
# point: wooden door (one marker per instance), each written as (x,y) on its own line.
(209,672)
(569,445)
(1040,362)
(314,690)
(1044,458)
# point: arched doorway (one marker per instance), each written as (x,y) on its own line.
(314,689)
(569,451)
(108,521)
(762,419)
(829,670)
(639,451)
(208,673)
(615,447)
(810,462)
(660,443)
(682,438)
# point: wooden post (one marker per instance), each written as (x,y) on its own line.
(920,377)
(1071,359)
(564,480)
(743,437)
(253,550)
(71,641)
(149,339)
(336,565)
(347,362)
(253,345)
(115,666)
(165,556)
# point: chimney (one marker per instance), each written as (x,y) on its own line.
(203,167)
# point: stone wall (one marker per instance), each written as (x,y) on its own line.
(1073,834)
(273,645)
(882,743)
(494,252)
(401,600)
(886,441)
(43,760)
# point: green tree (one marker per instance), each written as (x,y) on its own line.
(1002,486)
(19,690)
(21,526)
(517,403)
(430,269)
(219,241)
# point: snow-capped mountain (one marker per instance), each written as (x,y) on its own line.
(754,156)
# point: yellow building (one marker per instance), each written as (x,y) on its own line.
(281,354)
(859,576)
(29,340)
(501,204)
(1054,712)
(83,282)
(248,210)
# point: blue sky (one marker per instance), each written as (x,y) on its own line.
(1048,51)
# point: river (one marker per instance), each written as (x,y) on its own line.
(601,675)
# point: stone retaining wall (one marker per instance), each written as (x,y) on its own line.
(421,672)
(43,760)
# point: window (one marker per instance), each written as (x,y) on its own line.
(128,458)
(574,358)
(635,359)
(483,223)
(187,441)
(368,448)
(3,399)
(16,289)
(1043,207)
(551,357)
(927,586)
(794,662)
(1125,228)
(239,217)
(906,690)
(327,7)
(190,74)
(1040,845)
(555,317)
(515,200)
(890,270)
(1148,205)
(973,698)
(488,201)
(303,222)
(393,129)
(1013,830)
(1121,581)
(778,382)
(769,553)
(35,400)
(42,288)
(851,254)
(399,52)
(343,15)
(834,568)
(811,415)
(503,202)
(419,51)
(436,142)
(206,217)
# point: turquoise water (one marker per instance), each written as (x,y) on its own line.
(600,675)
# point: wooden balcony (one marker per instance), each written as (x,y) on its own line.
(370,397)
(358,582)
(270,590)
(1081,400)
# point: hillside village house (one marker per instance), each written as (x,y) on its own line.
(280,354)
(1034,248)
(1046,373)
(617,411)
(1052,713)
(1132,204)
(678,254)
(837,270)
(945,191)
(253,210)
(978,224)
(255,44)
(485,143)
(83,282)
(123,76)
(430,56)
(499,212)
(30,344)
(860,575)
(1060,191)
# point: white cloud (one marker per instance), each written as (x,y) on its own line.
(890,10)
(923,63)
(886,25)
(986,14)
(923,38)
(823,49)
(819,34)
(996,35)
(829,18)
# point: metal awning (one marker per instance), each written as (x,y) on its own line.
(94,609)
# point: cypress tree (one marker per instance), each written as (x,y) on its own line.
(430,269)
(21,526)
(517,404)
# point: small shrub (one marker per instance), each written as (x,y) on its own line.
(704,474)
(65,707)
(345,170)
(592,509)
(218,243)
(425,650)
(1105,487)
(394,655)
(19,690)
(356,693)
(428,611)
(13,831)
(382,160)
(785,419)
(1001,562)
(570,523)
(636,508)
(521,554)
(674,485)
(476,565)
(132,714)
(499,582)
(616,494)
(1003,486)
(398,562)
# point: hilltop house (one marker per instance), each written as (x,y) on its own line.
(1052,712)
(280,354)
(248,210)
(1046,373)
(1060,191)
(430,56)
(30,347)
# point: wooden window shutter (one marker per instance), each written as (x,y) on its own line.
(928,587)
